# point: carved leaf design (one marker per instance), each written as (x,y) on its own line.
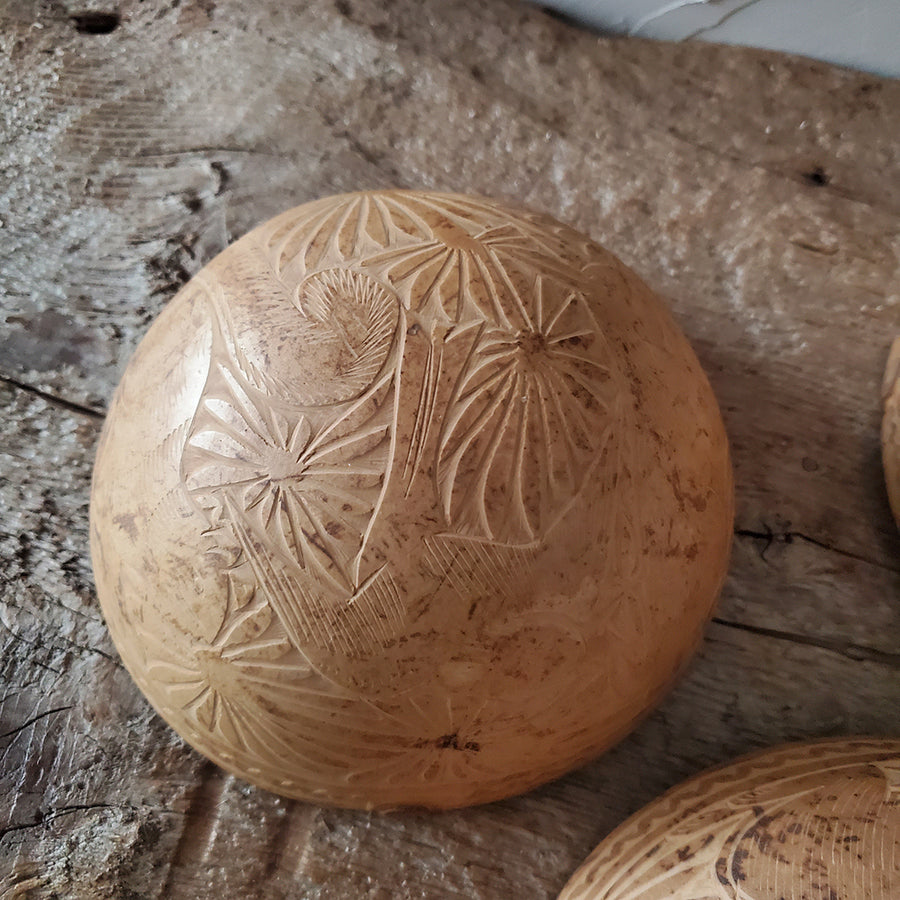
(355,320)
(468,269)
(530,414)
(306,484)
(437,251)
(299,488)
(349,230)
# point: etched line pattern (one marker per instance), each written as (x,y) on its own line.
(355,320)
(200,820)
(806,821)
(476,567)
(424,415)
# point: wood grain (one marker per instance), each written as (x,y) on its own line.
(759,192)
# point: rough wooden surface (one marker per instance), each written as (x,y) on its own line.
(760,193)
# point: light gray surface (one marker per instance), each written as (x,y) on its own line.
(760,193)
(861,34)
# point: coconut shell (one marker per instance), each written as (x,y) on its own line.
(410,498)
(818,821)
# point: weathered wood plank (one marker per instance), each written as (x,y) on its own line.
(128,159)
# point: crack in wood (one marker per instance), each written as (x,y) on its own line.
(34,719)
(814,248)
(774,171)
(44,819)
(18,885)
(107,656)
(53,400)
(286,852)
(770,537)
(856,652)
(17,577)
(209,150)
(16,636)
(18,689)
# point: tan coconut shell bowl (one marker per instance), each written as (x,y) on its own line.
(817,821)
(410,498)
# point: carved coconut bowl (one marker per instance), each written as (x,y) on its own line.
(410,498)
(817,821)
